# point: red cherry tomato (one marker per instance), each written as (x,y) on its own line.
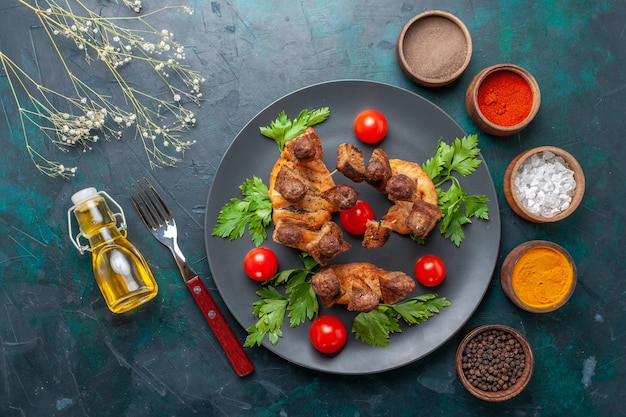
(260,263)
(370,126)
(430,270)
(354,219)
(328,334)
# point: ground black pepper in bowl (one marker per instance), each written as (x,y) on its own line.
(494,362)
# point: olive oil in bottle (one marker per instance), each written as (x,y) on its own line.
(121,272)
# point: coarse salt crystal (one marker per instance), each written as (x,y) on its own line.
(545,184)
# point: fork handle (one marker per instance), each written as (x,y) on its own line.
(233,349)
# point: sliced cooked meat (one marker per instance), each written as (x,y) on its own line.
(329,245)
(290,187)
(376,234)
(422,218)
(342,196)
(425,188)
(323,244)
(362,298)
(378,170)
(288,235)
(401,187)
(304,148)
(326,284)
(350,162)
(394,286)
(362,286)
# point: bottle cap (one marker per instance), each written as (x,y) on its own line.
(84,194)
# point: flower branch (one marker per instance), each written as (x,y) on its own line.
(85,116)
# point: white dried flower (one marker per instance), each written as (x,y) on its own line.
(159,50)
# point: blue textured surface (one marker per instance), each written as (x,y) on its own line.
(63,354)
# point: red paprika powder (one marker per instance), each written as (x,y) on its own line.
(505,98)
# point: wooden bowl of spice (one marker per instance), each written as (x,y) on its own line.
(494,362)
(544,184)
(538,276)
(503,99)
(434,48)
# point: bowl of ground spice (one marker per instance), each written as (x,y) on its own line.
(544,184)
(494,362)
(538,276)
(434,48)
(503,99)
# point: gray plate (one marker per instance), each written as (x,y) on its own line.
(415,125)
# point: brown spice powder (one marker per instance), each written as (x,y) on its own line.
(434,48)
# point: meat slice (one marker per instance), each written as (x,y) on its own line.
(289,185)
(322,244)
(394,286)
(419,215)
(425,189)
(362,297)
(326,284)
(422,218)
(412,218)
(362,286)
(377,233)
(350,162)
(396,217)
(401,187)
(305,147)
(378,170)
(342,196)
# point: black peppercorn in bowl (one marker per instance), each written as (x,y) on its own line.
(494,362)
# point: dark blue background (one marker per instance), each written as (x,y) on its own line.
(63,354)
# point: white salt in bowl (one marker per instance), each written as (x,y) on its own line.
(544,184)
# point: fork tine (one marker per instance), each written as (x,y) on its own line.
(150,212)
(138,207)
(164,209)
(153,212)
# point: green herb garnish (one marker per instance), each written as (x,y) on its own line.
(375,327)
(253,211)
(456,205)
(299,303)
(282,129)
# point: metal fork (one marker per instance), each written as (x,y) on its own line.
(161,223)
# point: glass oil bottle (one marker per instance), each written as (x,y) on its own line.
(121,271)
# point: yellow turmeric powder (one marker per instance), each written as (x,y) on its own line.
(542,277)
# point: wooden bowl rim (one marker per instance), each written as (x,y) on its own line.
(519,385)
(514,201)
(527,76)
(406,67)
(511,259)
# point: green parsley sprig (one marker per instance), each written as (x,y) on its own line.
(456,205)
(282,129)
(375,327)
(300,303)
(253,211)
